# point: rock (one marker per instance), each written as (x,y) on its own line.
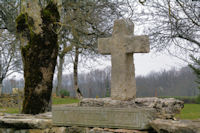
(171,126)
(58,130)
(7,101)
(107,130)
(166,108)
(120,118)
(106,102)
(1,114)
(48,130)
(76,130)
(25,121)
(70,130)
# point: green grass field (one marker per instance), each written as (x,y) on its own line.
(9,110)
(190,111)
(56,101)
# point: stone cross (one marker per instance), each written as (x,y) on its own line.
(121,46)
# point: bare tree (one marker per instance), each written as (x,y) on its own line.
(10,59)
(174,25)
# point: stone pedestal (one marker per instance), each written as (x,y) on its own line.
(125,118)
(108,113)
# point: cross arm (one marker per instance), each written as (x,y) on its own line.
(137,44)
(104,46)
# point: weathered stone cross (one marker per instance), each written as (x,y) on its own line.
(121,46)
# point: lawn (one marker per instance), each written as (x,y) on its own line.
(56,101)
(190,111)
(9,110)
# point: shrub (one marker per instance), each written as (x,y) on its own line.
(198,99)
(64,93)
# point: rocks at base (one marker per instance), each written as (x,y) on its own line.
(42,123)
(104,117)
(47,130)
(171,126)
(107,130)
(70,130)
(22,121)
(166,108)
(106,102)
(7,101)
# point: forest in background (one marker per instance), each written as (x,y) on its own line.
(97,83)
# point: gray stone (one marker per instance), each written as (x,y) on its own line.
(40,121)
(70,130)
(121,46)
(128,118)
(47,130)
(107,130)
(171,126)
(106,102)
(165,108)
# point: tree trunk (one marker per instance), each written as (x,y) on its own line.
(76,71)
(37,29)
(1,86)
(59,76)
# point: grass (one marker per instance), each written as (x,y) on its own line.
(190,111)
(9,110)
(58,100)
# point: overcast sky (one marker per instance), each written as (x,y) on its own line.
(144,63)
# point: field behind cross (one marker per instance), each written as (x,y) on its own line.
(190,111)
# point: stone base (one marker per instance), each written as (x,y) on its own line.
(171,126)
(70,130)
(125,118)
(105,112)
(166,108)
(21,121)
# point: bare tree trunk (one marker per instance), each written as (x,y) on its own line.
(59,76)
(76,71)
(1,86)
(37,29)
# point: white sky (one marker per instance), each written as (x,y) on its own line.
(144,63)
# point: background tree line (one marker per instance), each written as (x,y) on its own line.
(97,83)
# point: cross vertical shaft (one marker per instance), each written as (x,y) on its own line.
(121,46)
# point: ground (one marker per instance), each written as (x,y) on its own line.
(56,101)
(190,111)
